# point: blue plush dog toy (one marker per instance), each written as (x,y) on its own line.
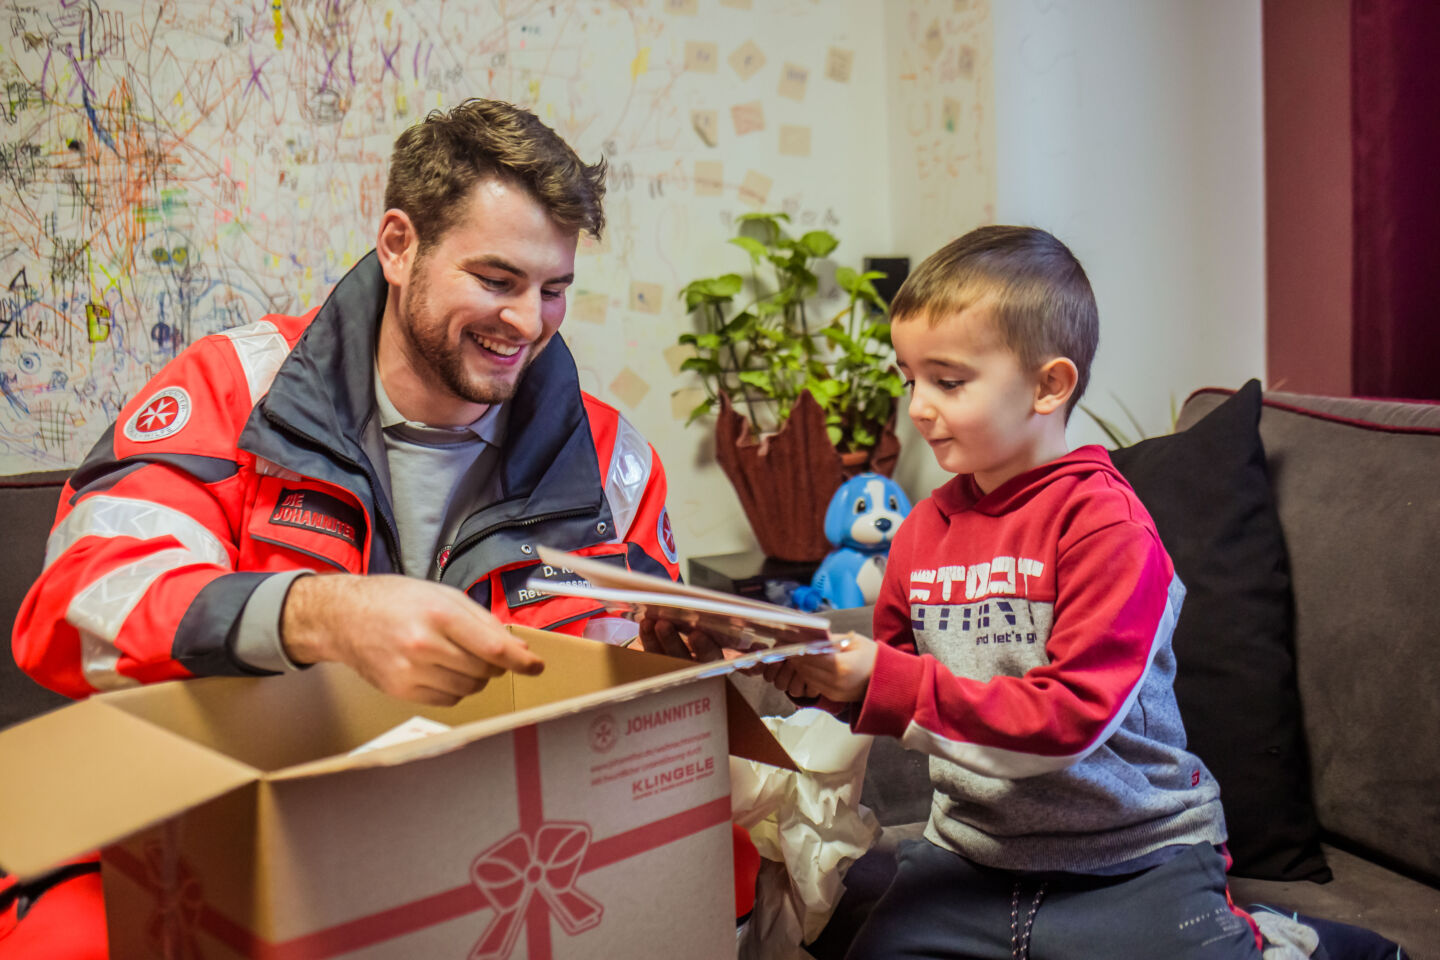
(861,521)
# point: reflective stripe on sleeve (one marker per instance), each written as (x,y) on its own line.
(100,663)
(103,516)
(627,477)
(261,349)
(100,610)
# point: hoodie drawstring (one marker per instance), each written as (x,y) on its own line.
(1020,937)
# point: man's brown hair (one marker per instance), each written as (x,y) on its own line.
(1038,293)
(438,161)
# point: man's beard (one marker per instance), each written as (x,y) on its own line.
(446,362)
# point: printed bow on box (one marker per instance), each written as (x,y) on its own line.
(179,905)
(525,878)
(512,872)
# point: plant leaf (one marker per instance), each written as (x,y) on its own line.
(723,287)
(738,325)
(701,365)
(759,379)
(1139,430)
(818,243)
(1116,435)
(770,307)
(750,217)
(878,331)
(700,411)
(750,245)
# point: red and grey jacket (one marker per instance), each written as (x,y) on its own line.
(246,456)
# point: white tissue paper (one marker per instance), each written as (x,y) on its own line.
(808,827)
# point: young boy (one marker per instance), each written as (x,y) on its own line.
(1023,636)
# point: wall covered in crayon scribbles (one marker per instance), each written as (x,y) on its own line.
(172,169)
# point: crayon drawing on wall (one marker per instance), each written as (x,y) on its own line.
(173,169)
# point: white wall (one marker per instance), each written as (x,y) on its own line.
(1132,129)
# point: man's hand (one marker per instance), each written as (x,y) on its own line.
(412,639)
(842,676)
(659,635)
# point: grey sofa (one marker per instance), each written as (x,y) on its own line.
(1356,487)
(1357,490)
(27,503)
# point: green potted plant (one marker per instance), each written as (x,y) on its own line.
(801,400)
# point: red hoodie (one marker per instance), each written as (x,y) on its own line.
(1025,644)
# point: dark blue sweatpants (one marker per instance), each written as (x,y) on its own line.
(941,906)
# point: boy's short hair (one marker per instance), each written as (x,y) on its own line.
(438,161)
(1041,299)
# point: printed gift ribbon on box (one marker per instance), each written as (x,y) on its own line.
(525,878)
(180,897)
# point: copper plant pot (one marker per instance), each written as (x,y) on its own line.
(785,480)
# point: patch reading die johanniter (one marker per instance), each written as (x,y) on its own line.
(320,512)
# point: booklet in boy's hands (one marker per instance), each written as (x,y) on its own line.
(737,623)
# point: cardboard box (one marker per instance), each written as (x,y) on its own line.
(581,813)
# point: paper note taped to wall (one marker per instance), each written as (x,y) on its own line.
(794,140)
(676,354)
(701,57)
(630,387)
(747,60)
(709,178)
(950,114)
(645,297)
(683,401)
(933,41)
(838,63)
(590,307)
(755,188)
(793,78)
(748,117)
(966,61)
(707,126)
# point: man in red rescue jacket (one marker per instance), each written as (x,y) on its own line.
(414,439)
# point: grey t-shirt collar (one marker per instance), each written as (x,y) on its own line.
(489,427)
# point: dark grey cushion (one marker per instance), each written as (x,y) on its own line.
(1208,491)
(1357,489)
(27,502)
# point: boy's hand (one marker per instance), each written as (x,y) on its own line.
(842,676)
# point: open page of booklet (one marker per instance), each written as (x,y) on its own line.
(736,623)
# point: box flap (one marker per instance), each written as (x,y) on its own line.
(89,774)
(600,673)
(749,737)
(579,675)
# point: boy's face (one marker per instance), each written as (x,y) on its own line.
(970,398)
